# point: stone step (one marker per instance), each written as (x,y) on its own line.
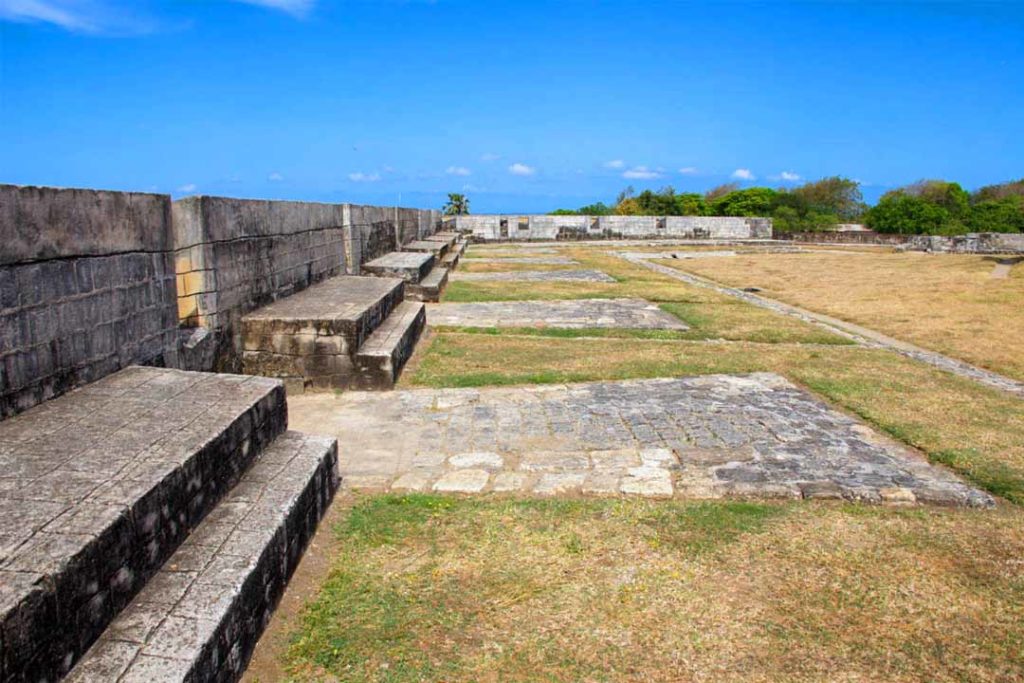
(429,289)
(384,354)
(310,339)
(448,238)
(200,616)
(101,485)
(451,259)
(411,266)
(438,249)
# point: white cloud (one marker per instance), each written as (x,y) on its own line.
(190,187)
(296,8)
(790,176)
(62,14)
(640,173)
(275,177)
(743,174)
(100,17)
(360,177)
(521,169)
(615,163)
(689,170)
(458,170)
(489,156)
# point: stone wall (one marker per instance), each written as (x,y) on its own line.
(372,231)
(87,287)
(514,227)
(971,243)
(235,255)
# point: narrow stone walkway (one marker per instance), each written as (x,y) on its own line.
(714,436)
(537,276)
(852,331)
(564,314)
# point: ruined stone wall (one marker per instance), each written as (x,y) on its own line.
(971,243)
(516,227)
(372,231)
(235,255)
(87,287)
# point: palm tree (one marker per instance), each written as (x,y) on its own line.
(458,205)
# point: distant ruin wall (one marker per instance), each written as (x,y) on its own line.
(970,243)
(87,287)
(516,227)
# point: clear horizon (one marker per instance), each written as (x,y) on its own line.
(525,107)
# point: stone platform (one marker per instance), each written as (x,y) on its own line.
(101,485)
(701,437)
(313,339)
(411,266)
(538,276)
(572,314)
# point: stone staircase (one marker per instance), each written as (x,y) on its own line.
(348,332)
(149,524)
(425,265)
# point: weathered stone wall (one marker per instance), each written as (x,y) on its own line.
(235,255)
(87,287)
(515,227)
(372,231)
(971,243)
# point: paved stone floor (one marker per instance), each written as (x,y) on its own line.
(534,260)
(575,314)
(701,437)
(538,276)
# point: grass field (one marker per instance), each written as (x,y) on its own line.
(428,588)
(947,303)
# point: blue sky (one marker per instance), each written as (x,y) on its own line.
(525,105)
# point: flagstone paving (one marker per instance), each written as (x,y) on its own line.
(536,260)
(714,436)
(573,314)
(538,276)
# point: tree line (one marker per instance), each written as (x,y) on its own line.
(928,207)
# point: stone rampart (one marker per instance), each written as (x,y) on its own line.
(542,227)
(87,287)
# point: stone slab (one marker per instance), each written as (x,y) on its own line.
(533,260)
(715,436)
(99,488)
(572,313)
(538,276)
(438,249)
(411,266)
(200,616)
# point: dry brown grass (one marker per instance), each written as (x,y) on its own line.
(429,588)
(947,303)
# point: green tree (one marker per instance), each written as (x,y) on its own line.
(836,195)
(753,201)
(906,214)
(458,205)
(998,215)
(690,204)
(720,191)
